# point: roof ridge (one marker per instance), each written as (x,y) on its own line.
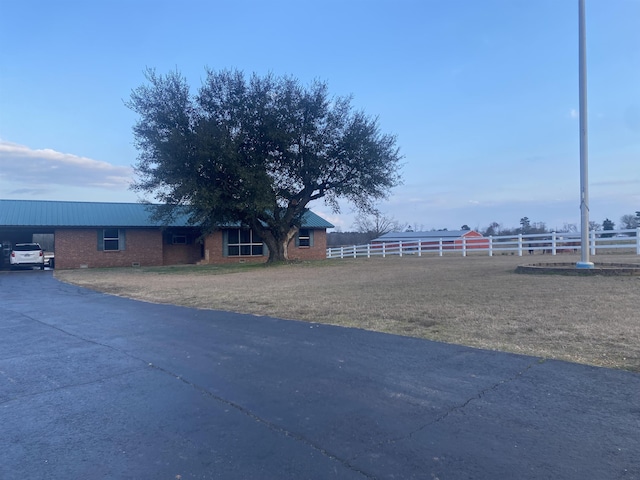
(74,201)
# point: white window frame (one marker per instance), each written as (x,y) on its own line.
(109,242)
(253,248)
(304,238)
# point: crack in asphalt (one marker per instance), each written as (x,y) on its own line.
(270,425)
(455,408)
(71,385)
(477,396)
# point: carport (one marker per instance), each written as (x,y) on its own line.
(96,234)
(12,234)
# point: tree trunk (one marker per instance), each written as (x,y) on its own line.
(278,244)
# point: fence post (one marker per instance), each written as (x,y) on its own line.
(593,242)
(464,247)
(420,247)
(400,246)
(355,255)
(368,250)
(638,241)
(553,243)
(519,244)
(440,247)
(341,252)
(491,245)
(384,250)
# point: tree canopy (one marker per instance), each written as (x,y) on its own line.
(630,221)
(376,224)
(525,225)
(608,225)
(256,151)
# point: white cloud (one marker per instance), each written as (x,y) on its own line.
(30,171)
(573,113)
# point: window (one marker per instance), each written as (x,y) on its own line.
(179,239)
(305,238)
(26,247)
(243,242)
(111,239)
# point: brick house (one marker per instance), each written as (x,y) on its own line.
(96,234)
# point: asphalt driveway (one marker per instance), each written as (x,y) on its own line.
(95,386)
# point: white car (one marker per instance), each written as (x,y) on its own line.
(27,255)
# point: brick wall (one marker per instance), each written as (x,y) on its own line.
(79,249)
(317,252)
(181,254)
(213,254)
(214,250)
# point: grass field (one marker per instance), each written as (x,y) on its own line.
(476,300)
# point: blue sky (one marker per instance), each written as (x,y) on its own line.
(482,95)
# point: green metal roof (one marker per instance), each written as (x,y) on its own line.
(23,213)
(44,213)
(311,220)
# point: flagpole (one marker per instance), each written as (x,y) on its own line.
(584,172)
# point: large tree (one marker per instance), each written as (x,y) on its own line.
(255,151)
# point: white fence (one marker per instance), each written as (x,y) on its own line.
(626,241)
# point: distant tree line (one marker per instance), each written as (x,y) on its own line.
(627,222)
(371,226)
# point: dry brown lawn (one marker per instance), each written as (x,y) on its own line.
(478,301)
